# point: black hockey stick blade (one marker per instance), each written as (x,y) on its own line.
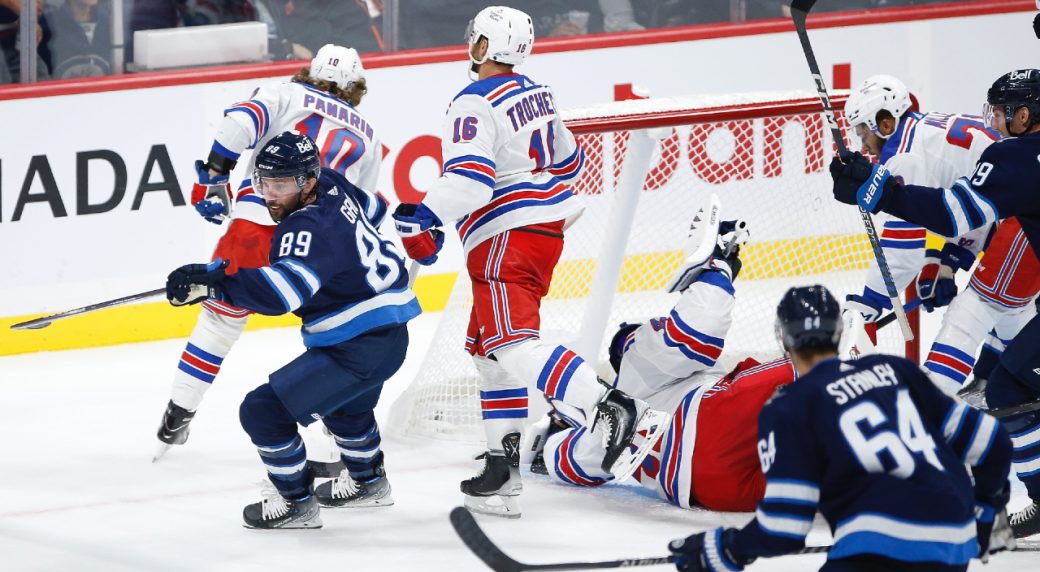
(45,321)
(1002,412)
(474,538)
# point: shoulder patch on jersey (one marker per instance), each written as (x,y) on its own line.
(333,191)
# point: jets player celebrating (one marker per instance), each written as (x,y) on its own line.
(329,266)
(508,160)
(1001,185)
(873,446)
(320,103)
(934,149)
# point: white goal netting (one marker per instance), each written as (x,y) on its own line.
(766,157)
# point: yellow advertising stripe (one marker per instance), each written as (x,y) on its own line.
(160,321)
(641,272)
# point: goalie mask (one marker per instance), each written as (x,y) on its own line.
(808,317)
(877,93)
(509,33)
(339,65)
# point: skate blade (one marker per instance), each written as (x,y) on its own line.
(313,523)
(495,505)
(161,450)
(655,422)
(369,503)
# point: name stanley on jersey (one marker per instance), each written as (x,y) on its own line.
(855,384)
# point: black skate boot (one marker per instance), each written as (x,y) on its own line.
(495,489)
(344,491)
(1026,522)
(629,429)
(275,511)
(539,434)
(174,428)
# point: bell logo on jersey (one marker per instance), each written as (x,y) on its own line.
(767,451)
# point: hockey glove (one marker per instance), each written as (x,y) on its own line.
(991,525)
(211,194)
(418,228)
(707,551)
(870,304)
(858,181)
(193,283)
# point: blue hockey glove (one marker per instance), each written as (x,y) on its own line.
(858,181)
(193,283)
(419,232)
(706,551)
(871,304)
(211,195)
(991,524)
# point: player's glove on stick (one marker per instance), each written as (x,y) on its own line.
(418,228)
(871,304)
(193,283)
(211,194)
(707,551)
(936,286)
(858,181)
(991,526)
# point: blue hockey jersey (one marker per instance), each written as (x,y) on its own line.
(879,451)
(1003,185)
(330,267)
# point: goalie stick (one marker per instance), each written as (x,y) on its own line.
(478,542)
(799,11)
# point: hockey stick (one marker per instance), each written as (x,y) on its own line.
(913,305)
(799,11)
(474,538)
(47,320)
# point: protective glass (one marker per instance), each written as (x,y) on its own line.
(469,33)
(275,188)
(860,132)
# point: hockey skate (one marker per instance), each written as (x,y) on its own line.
(275,511)
(494,490)
(629,428)
(174,428)
(534,441)
(1026,522)
(344,491)
(709,238)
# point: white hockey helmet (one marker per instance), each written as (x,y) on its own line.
(339,65)
(877,92)
(509,32)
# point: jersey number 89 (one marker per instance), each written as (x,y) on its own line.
(909,438)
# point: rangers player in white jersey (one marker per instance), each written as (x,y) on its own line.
(708,455)
(508,164)
(319,102)
(934,149)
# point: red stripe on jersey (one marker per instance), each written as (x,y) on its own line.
(197,363)
(949,361)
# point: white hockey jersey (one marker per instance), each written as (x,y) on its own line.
(507,160)
(931,149)
(346,141)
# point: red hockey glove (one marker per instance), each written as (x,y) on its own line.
(211,194)
(417,226)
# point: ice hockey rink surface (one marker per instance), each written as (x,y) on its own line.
(79,491)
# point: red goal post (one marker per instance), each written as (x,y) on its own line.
(649,164)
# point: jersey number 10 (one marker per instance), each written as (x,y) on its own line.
(909,438)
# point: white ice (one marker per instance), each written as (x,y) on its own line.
(78,490)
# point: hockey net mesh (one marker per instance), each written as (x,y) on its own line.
(765,156)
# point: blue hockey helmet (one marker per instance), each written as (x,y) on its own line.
(286,155)
(1012,91)
(808,317)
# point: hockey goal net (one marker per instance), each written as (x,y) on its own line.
(649,165)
